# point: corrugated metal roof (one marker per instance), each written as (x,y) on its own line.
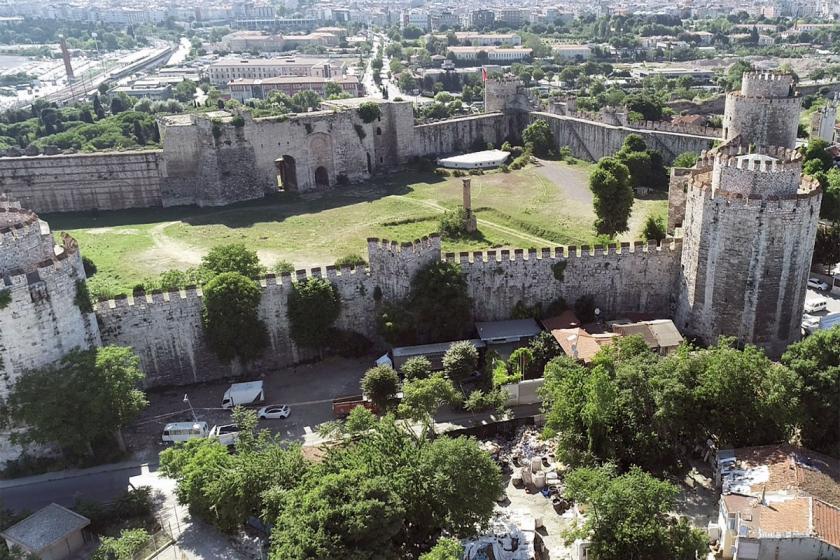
(45,527)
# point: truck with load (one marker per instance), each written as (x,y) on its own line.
(343,405)
(243,394)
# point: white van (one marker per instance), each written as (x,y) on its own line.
(240,394)
(184,431)
(816,305)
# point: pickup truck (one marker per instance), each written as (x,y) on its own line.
(227,434)
(343,405)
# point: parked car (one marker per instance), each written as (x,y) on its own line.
(274,411)
(227,434)
(816,305)
(817,284)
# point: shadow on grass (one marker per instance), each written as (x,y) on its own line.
(274,207)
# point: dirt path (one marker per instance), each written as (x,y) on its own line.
(168,252)
(504,229)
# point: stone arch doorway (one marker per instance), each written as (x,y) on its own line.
(322,177)
(286,173)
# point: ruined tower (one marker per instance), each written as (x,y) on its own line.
(43,315)
(750,220)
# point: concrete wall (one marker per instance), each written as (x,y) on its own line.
(104,181)
(593,140)
(792,548)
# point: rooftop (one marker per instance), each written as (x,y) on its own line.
(483,157)
(45,527)
(501,330)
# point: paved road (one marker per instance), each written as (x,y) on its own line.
(98,486)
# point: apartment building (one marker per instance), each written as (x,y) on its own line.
(225,70)
(494,54)
(245,89)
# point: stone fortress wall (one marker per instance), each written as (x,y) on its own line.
(104,181)
(165,328)
(317,150)
(40,321)
(765,110)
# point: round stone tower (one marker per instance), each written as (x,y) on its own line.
(765,112)
(748,237)
(40,315)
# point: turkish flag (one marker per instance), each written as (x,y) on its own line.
(483,74)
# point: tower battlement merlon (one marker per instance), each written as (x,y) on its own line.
(767,84)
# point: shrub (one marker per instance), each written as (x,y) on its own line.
(350,261)
(538,133)
(235,257)
(238,121)
(124,547)
(458,173)
(283,267)
(442,172)
(380,384)
(460,360)
(5,298)
(369,111)
(418,367)
(502,374)
(453,223)
(476,172)
(478,400)
(312,308)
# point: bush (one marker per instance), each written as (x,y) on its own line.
(235,257)
(458,173)
(350,261)
(396,325)
(369,111)
(380,384)
(283,267)
(453,223)
(124,547)
(478,400)
(418,367)
(476,172)
(442,172)
(538,133)
(502,374)
(460,360)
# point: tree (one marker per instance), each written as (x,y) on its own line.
(303,101)
(633,143)
(380,384)
(830,206)
(439,302)
(333,90)
(654,228)
(613,193)
(231,317)
(816,362)
(827,244)
(97,107)
(816,150)
(423,397)
(649,106)
(124,547)
(685,159)
(482,57)
(117,105)
(418,367)
(407,82)
(185,91)
(460,360)
(629,516)
(139,135)
(313,306)
(539,134)
(102,385)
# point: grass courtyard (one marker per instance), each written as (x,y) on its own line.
(543,205)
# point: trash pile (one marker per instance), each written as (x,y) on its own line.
(510,537)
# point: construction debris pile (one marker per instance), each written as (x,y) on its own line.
(510,537)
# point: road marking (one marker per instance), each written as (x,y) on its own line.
(307,430)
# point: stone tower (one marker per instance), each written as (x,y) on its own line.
(823,122)
(40,319)
(749,224)
(765,112)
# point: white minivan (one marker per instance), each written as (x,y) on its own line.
(816,305)
(184,431)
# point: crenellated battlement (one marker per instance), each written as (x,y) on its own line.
(665,126)
(766,84)
(68,249)
(416,247)
(15,218)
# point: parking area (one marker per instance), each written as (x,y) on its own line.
(308,389)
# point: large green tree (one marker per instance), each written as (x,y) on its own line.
(381,384)
(87,397)
(235,257)
(816,362)
(613,192)
(440,303)
(230,317)
(313,306)
(539,135)
(629,516)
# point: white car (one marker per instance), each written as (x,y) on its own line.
(817,284)
(227,434)
(274,411)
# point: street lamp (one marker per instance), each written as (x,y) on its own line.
(187,400)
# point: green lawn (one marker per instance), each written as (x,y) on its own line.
(535,207)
